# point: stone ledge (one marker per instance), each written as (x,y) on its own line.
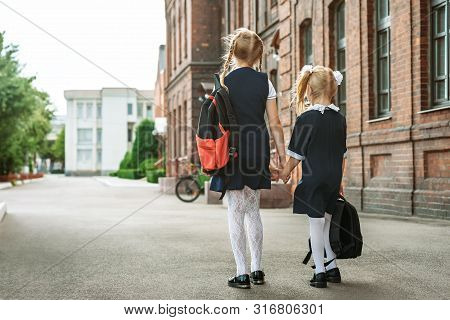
(212,197)
(2,211)
(278,197)
(167,185)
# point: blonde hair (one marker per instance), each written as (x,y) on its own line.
(319,79)
(242,44)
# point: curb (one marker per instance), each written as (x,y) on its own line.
(2,211)
(5,185)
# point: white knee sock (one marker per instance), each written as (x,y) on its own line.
(316,228)
(326,238)
(254,227)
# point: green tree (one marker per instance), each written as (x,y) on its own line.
(145,145)
(58,148)
(24,116)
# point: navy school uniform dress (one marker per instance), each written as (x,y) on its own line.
(319,141)
(248,92)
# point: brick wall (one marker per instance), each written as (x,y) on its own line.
(192,55)
(398,165)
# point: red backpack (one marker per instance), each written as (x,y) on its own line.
(217,133)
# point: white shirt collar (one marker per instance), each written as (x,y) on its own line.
(321,108)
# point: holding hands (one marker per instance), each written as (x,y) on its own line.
(279,172)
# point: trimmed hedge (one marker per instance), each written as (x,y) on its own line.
(129,174)
(148,164)
(202,178)
(153,175)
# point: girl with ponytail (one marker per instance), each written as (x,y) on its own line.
(319,142)
(252,96)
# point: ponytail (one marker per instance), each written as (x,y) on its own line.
(319,79)
(261,54)
(228,59)
(300,93)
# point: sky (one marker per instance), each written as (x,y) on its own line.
(122,37)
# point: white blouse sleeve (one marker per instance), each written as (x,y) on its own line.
(272,93)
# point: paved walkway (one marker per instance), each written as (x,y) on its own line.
(77,238)
(125,183)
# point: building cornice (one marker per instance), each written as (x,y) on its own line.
(172,82)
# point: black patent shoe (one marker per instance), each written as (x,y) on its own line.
(334,275)
(319,280)
(241,282)
(257,277)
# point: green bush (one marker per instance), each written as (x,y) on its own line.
(147,164)
(153,175)
(145,144)
(126,161)
(129,174)
(113,174)
(202,178)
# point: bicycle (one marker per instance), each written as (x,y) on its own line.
(189,187)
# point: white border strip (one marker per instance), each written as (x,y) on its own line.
(294,155)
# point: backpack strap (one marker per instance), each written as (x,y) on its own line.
(326,264)
(308,255)
(222,93)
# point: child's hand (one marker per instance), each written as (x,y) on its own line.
(284,176)
(274,173)
(341,190)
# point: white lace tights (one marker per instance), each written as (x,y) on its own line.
(243,209)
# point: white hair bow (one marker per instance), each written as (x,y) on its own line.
(338,77)
(307,68)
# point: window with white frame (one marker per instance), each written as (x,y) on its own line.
(140,107)
(99,110)
(340,55)
(84,136)
(383,63)
(89,110)
(80,106)
(440,47)
(84,158)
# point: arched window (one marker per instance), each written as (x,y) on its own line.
(306,42)
(340,54)
(383,25)
(440,46)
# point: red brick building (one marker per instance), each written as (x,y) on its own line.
(192,56)
(396,94)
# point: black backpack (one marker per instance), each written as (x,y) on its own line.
(218,135)
(345,232)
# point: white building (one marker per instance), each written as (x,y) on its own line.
(100,127)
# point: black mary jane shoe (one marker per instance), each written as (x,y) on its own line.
(257,277)
(333,275)
(241,282)
(319,280)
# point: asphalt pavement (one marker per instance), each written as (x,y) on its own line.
(90,238)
